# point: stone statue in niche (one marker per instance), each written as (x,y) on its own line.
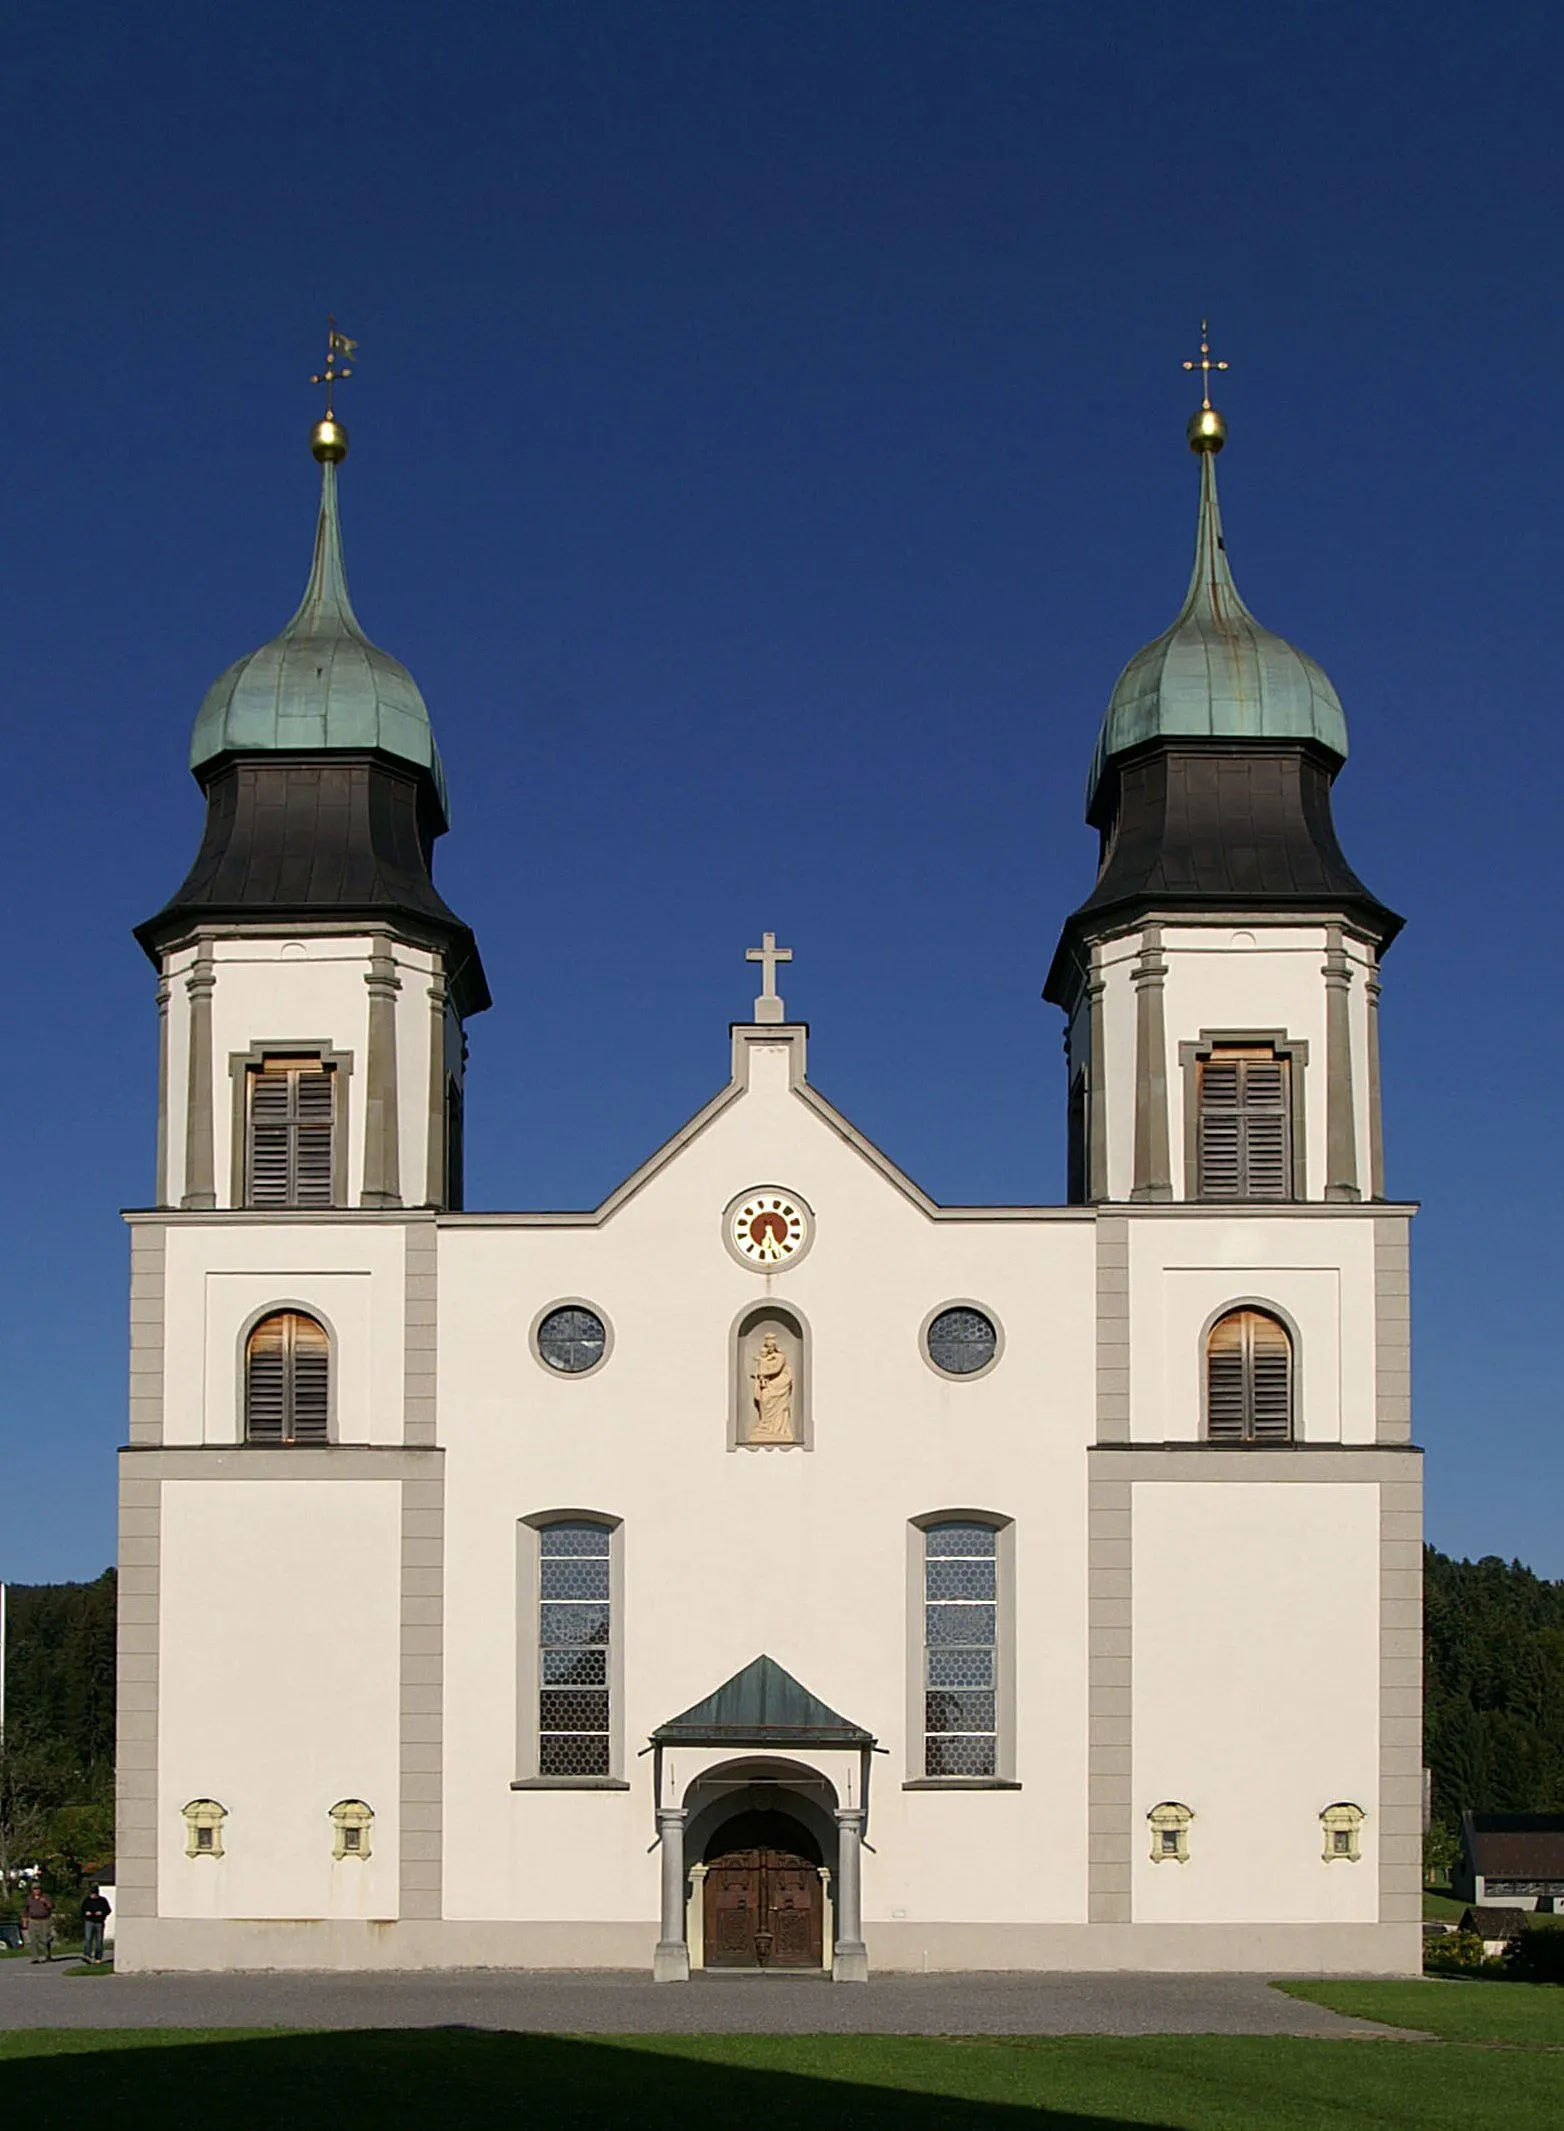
(772,1377)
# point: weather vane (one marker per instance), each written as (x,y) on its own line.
(1204,365)
(341,354)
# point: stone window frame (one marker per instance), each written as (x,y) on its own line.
(1190,1057)
(1266,1307)
(1347,1819)
(241,1064)
(738,1382)
(350,1815)
(571,1376)
(1170,1818)
(983,1309)
(529,1582)
(1004,1777)
(276,1308)
(203,1816)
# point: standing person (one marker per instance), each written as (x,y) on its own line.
(39,1913)
(94,1915)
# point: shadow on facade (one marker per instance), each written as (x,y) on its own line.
(362,2078)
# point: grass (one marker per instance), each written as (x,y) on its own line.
(1452,2008)
(352,2081)
(1440,1903)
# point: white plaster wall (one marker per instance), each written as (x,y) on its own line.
(278,1688)
(220,1275)
(1318,1273)
(1256,1697)
(803,1555)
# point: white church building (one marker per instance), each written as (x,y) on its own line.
(445,1640)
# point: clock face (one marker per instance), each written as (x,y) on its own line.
(768,1228)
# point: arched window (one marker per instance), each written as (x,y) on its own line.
(962,1726)
(570,1729)
(1249,1379)
(287,1380)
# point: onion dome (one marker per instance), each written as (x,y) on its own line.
(1217,673)
(320,684)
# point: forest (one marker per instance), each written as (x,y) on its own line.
(1494,1710)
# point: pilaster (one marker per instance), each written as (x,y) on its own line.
(1341,1149)
(382,1163)
(1153,1179)
(200,1192)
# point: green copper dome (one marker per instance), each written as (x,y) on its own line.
(321,683)
(1216,674)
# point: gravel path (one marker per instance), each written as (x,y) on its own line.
(610,2002)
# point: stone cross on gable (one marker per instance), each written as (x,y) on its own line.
(768,1007)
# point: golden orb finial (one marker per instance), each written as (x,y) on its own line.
(1207,430)
(329,441)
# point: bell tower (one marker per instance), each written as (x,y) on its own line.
(1221,981)
(313,984)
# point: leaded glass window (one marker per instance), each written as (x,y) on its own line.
(961,1341)
(572,1339)
(575,1628)
(960,1650)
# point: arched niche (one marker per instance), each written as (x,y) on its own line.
(749,1426)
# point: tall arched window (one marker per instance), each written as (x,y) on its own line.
(287,1380)
(1249,1379)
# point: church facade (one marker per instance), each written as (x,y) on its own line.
(447,1636)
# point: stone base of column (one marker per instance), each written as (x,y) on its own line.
(850,1962)
(671,1962)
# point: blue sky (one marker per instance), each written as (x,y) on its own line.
(767,448)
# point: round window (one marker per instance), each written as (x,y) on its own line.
(572,1339)
(962,1341)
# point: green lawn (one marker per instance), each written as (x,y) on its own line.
(351,2082)
(1490,2010)
(1440,1902)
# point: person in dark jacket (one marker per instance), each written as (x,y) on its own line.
(94,1915)
(38,1911)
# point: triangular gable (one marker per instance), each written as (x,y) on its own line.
(761,1706)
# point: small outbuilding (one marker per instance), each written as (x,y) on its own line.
(1511,1858)
(1498,1927)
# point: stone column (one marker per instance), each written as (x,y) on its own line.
(1153,1166)
(671,1961)
(382,1164)
(435,1187)
(200,1173)
(1341,1145)
(1371,986)
(1096,1089)
(850,1957)
(827,1912)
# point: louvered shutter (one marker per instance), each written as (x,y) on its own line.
(1265,1128)
(1270,1380)
(1245,1149)
(311,1386)
(287,1387)
(312,1093)
(290,1134)
(270,1134)
(1248,1380)
(266,1382)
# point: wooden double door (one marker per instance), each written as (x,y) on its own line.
(765,1903)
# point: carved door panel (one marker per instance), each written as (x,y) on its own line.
(733,1912)
(794,1912)
(764,1909)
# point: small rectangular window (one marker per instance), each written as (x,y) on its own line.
(289,1139)
(1245,1136)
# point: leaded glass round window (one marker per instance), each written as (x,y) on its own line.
(572,1339)
(962,1341)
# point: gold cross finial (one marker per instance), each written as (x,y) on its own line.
(1205,365)
(341,353)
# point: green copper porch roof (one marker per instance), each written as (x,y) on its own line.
(761,1706)
(1217,673)
(320,683)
